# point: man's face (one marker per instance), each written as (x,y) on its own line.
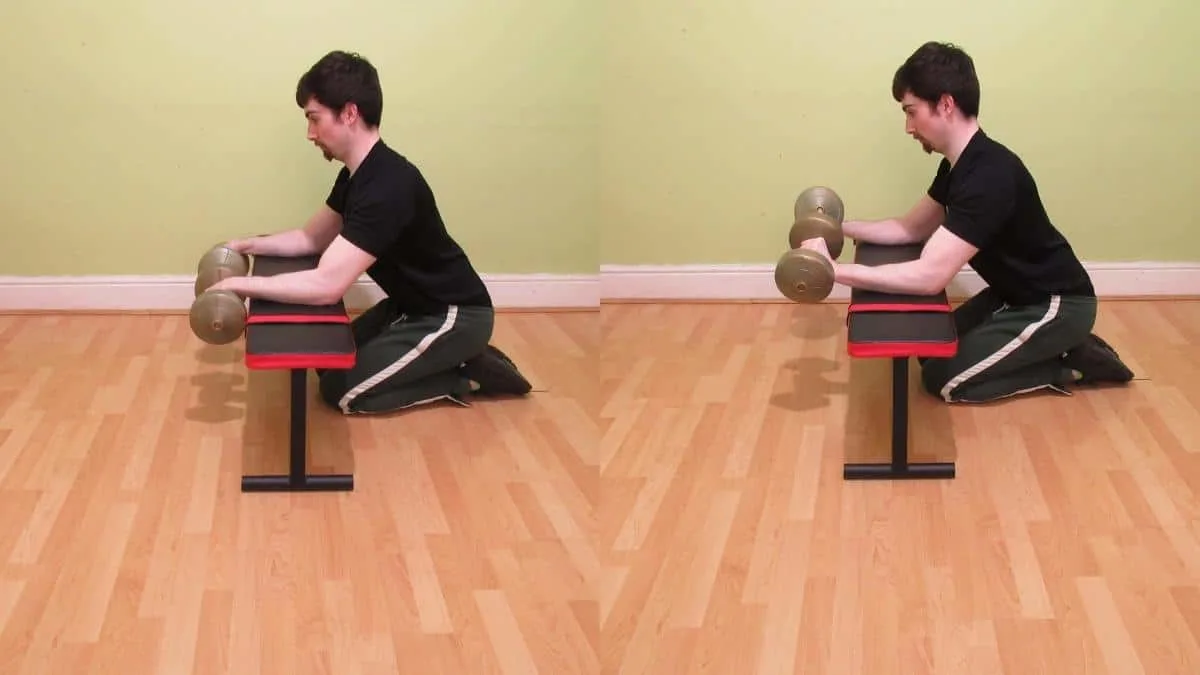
(325,129)
(922,122)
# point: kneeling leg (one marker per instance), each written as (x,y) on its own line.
(413,361)
(1016,350)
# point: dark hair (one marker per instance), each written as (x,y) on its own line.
(340,78)
(938,68)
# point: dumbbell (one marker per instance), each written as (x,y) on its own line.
(217,263)
(803,275)
(218,317)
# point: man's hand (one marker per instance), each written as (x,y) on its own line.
(819,245)
(235,284)
(240,245)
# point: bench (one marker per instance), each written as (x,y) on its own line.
(296,337)
(898,327)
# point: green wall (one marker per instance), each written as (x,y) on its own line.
(559,135)
(717,114)
(136,134)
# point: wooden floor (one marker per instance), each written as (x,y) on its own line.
(672,502)
(126,547)
(1069,543)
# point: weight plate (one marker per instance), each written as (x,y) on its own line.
(218,317)
(223,256)
(802,275)
(822,199)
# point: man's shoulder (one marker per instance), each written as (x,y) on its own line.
(992,155)
(388,163)
(987,165)
(388,176)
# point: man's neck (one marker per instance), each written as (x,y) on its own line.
(958,142)
(360,150)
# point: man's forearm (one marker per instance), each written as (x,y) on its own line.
(914,277)
(888,232)
(307,287)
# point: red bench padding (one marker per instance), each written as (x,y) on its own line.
(290,336)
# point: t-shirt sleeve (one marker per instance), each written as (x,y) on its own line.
(980,205)
(379,212)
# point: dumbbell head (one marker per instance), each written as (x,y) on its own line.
(211,274)
(223,256)
(803,275)
(822,199)
(818,212)
(218,317)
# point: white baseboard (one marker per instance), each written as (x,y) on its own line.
(176,292)
(757,282)
(559,291)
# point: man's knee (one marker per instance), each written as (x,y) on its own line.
(332,387)
(935,375)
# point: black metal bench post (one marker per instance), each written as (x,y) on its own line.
(900,467)
(297,479)
(898,327)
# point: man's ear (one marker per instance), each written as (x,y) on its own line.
(946,104)
(349,114)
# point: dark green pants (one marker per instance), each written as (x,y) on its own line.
(1005,350)
(408,359)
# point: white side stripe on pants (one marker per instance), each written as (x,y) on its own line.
(993,359)
(399,364)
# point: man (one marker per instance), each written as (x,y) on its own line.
(428,339)
(1030,328)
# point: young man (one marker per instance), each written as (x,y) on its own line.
(428,339)
(1030,328)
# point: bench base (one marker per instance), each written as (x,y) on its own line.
(297,479)
(900,468)
(282,483)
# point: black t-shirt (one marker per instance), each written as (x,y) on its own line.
(389,211)
(992,202)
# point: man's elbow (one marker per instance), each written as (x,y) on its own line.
(336,295)
(931,280)
(937,280)
(331,292)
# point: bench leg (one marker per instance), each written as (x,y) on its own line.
(298,479)
(899,467)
